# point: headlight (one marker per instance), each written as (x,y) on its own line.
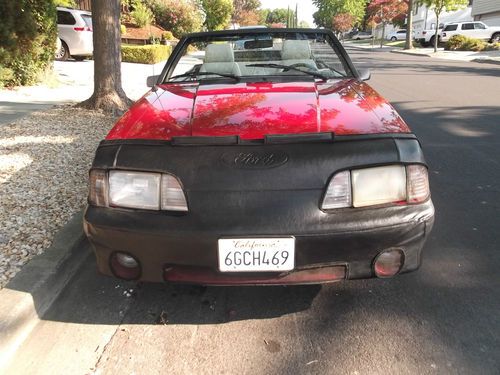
(376,186)
(372,186)
(134,189)
(143,190)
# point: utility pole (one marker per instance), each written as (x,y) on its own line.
(296,15)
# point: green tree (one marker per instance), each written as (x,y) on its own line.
(439,6)
(263,14)
(178,16)
(304,25)
(27,40)
(142,14)
(278,15)
(65,3)
(327,9)
(218,13)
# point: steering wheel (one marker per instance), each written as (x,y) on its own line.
(300,65)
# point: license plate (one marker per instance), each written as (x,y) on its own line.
(256,254)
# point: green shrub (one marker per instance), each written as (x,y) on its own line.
(167,35)
(464,43)
(149,54)
(456,42)
(27,40)
(6,75)
(123,29)
(474,45)
(493,47)
(141,14)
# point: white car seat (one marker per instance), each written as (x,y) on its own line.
(297,52)
(219,58)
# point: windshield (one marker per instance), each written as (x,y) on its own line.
(259,56)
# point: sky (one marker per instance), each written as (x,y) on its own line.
(305,8)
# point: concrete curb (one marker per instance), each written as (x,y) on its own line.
(483,60)
(385,48)
(411,53)
(486,61)
(33,290)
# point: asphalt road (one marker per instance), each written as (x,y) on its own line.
(444,318)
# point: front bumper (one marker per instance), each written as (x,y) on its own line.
(184,249)
(226,199)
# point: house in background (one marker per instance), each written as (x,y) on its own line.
(487,11)
(425,18)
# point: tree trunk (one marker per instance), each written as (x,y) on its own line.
(108,92)
(383,35)
(409,26)
(436,34)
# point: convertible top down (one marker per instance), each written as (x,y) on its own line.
(260,158)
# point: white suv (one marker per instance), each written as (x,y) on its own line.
(75,34)
(475,29)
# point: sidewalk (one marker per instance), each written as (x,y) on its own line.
(73,83)
(486,56)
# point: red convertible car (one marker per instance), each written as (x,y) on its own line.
(269,163)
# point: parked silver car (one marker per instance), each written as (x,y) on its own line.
(74,27)
(359,35)
(397,35)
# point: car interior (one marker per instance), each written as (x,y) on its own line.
(249,56)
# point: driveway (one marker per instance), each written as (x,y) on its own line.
(442,319)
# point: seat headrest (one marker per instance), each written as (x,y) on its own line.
(296,50)
(215,53)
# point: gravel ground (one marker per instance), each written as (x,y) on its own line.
(44,161)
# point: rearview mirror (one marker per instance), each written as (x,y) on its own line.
(151,80)
(364,74)
(258,43)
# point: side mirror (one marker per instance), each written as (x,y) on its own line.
(151,80)
(364,74)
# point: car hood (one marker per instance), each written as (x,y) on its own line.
(253,110)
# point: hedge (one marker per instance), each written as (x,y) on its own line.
(28,34)
(464,43)
(149,54)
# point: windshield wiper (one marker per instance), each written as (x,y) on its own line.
(329,67)
(289,67)
(194,75)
